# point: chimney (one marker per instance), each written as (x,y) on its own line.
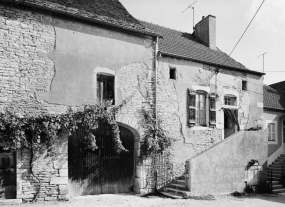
(205,31)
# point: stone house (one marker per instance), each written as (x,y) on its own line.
(274,116)
(55,54)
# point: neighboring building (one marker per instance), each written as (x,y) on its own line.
(274,116)
(55,54)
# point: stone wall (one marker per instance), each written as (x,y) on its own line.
(36,56)
(173,109)
(222,168)
(49,177)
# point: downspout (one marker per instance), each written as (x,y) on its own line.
(155,110)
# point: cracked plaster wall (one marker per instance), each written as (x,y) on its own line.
(172,105)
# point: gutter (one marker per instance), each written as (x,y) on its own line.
(213,64)
(77,16)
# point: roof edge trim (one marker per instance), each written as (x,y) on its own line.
(213,64)
(33,5)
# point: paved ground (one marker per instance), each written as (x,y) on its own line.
(154,201)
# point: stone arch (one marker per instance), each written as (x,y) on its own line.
(131,124)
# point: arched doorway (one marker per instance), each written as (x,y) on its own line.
(103,170)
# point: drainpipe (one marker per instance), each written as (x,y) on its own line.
(155,109)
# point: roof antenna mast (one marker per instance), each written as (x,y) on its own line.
(263,59)
(193,11)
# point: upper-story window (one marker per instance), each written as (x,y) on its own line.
(105,88)
(172,73)
(244,85)
(201,108)
(230,100)
(271,132)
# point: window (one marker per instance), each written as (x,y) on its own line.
(201,108)
(172,73)
(271,132)
(230,100)
(244,85)
(199,102)
(212,100)
(283,131)
(105,88)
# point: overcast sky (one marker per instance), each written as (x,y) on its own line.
(266,33)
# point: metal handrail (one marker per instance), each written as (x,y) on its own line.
(270,181)
(283,172)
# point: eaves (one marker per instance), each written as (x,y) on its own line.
(212,64)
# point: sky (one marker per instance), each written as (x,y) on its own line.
(265,34)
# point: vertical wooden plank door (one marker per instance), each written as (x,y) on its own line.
(103,170)
(7,174)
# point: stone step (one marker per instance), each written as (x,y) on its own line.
(178,181)
(171,195)
(282,155)
(275,182)
(277,179)
(280,159)
(282,190)
(178,186)
(278,186)
(176,191)
(275,167)
(275,175)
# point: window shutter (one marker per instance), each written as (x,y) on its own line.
(212,108)
(192,107)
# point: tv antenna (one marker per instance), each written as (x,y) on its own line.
(193,11)
(262,58)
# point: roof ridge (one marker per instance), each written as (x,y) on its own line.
(163,26)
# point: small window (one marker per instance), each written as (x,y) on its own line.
(172,73)
(105,88)
(271,132)
(244,85)
(230,101)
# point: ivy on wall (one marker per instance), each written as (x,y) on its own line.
(31,130)
(155,140)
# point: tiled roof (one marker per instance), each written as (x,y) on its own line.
(280,86)
(273,98)
(110,12)
(185,45)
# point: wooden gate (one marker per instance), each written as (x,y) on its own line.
(103,170)
(7,174)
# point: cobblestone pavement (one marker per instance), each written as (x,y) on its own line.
(154,201)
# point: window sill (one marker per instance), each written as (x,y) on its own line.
(272,142)
(229,107)
(197,128)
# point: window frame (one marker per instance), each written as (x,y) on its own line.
(230,100)
(171,77)
(210,108)
(270,122)
(244,85)
(198,110)
(102,85)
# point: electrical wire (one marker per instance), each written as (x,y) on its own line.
(247,27)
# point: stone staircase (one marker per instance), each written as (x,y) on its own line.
(176,189)
(277,183)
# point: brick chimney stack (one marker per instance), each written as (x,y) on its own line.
(205,31)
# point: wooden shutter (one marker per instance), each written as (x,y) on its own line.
(192,107)
(212,108)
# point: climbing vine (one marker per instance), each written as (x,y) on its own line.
(32,130)
(155,140)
